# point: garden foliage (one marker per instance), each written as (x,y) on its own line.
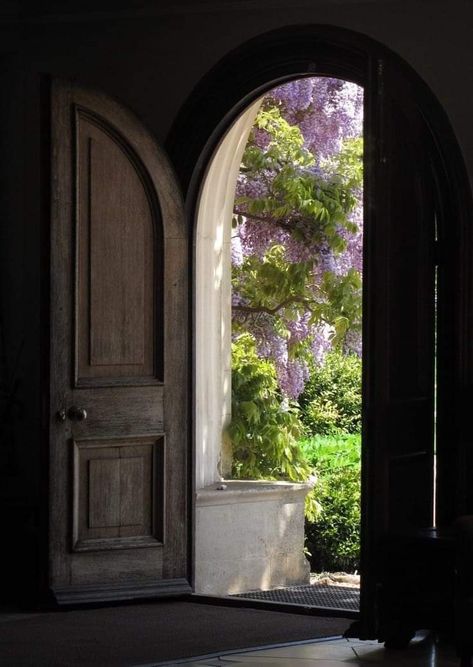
(297,227)
(331,401)
(333,539)
(265,436)
(296,305)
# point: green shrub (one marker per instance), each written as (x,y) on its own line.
(331,402)
(333,537)
(264,431)
(266,435)
(333,540)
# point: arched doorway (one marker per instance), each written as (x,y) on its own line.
(417,259)
(261,480)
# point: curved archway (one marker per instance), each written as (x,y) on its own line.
(243,76)
(213,300)
(310,50)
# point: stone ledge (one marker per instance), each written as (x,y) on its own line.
(249,491)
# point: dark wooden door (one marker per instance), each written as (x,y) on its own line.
(118,357)
(399,343)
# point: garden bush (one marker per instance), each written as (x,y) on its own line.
(333,536)
(333,540)
(331,401)
(265,429)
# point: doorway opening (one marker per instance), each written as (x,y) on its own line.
(285,262)
(417,207)
(296,317)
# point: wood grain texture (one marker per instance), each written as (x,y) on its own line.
(118,493)
(121,411)
(119,329)
(117,566)
(119,260)
(86,593)
(61,329)
(134,490)
(104,493)
(176,410)
(120,234)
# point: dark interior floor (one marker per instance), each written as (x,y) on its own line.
(139,634)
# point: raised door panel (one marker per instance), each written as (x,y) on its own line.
(119,261)
(119,493)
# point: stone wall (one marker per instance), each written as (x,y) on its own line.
(249,536)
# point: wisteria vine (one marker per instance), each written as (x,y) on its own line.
(297,227)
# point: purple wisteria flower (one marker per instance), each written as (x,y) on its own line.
(271,213)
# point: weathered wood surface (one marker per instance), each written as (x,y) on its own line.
(119,350)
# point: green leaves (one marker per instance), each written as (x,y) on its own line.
(274,287)
(311,205)
(333,534)
(348,164)
(250,411)
(331,402)
(264,430)
(332,452)
(343,298)
(333,538)
(294,191)
(295,284)
(286,140)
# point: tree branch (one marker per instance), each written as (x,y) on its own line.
(271,221)
(276,309)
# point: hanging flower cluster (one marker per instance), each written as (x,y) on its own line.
(297,227)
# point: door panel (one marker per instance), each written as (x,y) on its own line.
(119,320)
(399,331)
(119,383)
(119,494)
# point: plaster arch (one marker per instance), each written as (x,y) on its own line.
(213,302)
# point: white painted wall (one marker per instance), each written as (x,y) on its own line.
(213,300)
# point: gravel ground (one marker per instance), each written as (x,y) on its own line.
(335,579)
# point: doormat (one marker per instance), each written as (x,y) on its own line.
(342,598)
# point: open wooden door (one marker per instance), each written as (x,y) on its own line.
(399,352)
(118,475)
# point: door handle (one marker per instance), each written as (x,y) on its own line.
(77,414)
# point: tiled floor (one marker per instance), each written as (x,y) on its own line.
(422,652)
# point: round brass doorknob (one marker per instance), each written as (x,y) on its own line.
(77,414)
